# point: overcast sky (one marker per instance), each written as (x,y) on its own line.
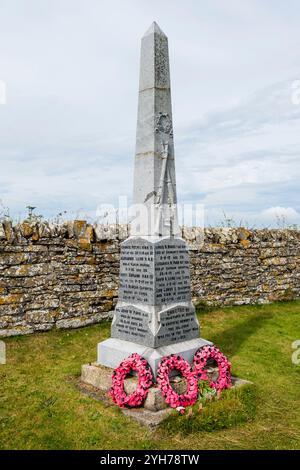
(67,130)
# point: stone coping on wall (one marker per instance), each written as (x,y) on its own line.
(81,230)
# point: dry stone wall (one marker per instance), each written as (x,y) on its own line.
(66,275)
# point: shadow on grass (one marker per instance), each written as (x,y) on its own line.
(232,339)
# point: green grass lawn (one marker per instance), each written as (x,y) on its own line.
(41,408)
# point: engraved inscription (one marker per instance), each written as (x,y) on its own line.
(154,275)
(154,307)
(130,324)
(172,278)
(177,324)
(136,273)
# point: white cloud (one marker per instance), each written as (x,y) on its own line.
(280,217)
(67,132)
(280,211)
(243,158)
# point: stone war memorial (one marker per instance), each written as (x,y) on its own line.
(154,317)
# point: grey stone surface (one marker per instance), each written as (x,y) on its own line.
(113,350)
(163,260)
(146,417)
(154,327)
(154,173)
(154,307)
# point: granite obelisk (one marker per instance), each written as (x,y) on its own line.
(154,170)
(154,316)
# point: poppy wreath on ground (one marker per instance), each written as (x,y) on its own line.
(175,400)
(137,363)
(200,360)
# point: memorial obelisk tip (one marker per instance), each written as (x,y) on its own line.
(154,28)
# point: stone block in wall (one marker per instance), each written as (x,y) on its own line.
(275,261)
(106,232)
(2,232)
(188,234)
(40,316)
(26,270)
(9,232)
(14,298)
(123,232)
(106,246)
(83,231)
(13,258)
(16,330)
(79,227)
(27,229)
(78,322)
(44,230)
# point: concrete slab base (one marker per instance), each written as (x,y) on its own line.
(100,378)
(96,382)
(143,416)
(113,351)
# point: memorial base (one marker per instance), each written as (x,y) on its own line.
(113,351)
(96,381)
(100,378)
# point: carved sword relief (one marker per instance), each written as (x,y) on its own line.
(166,184)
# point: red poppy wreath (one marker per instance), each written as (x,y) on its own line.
(200,360)
(117,392)
(175,400)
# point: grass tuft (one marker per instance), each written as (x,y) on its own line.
(236,406)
